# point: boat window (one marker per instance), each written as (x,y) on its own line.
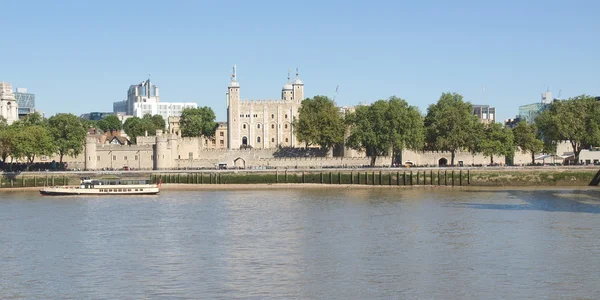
(141,190)
(110,190)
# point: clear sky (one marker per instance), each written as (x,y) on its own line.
(81,56)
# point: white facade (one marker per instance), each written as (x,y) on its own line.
(165,109)
(144,98)
(8,103)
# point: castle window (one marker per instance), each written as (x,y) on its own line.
(272,140)
(221,133)
(272,116)
(272,126)
(286,116)
(255,115)
(285,126)
(222,142)
(244,126)
(242,115)
(125,157)
(247,116)
(258,139)
(286,140)
(258,126)
(214,142)
(98,158)
(114,157)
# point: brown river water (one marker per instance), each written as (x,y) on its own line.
(368,243)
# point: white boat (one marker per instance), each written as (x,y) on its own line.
(104,187)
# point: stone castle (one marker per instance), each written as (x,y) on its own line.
(257,134)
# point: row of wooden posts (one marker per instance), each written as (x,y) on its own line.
(425,177)
(33,181)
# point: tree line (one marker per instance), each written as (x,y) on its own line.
(386,127)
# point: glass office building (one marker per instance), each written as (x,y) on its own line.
(529,112)
(26,102)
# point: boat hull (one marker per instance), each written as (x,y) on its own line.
(101,190)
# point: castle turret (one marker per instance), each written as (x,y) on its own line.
(90,153)
(162,160)
(233,118)
(287,91)
(298,88)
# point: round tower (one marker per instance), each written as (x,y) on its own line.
(162,154)
(90,154)
(287,92)
(298,88)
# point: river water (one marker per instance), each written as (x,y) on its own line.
(379,243)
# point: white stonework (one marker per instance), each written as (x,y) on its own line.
(263,124)
(8,103)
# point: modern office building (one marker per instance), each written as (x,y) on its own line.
(485,113)
(144,98)
(8,103)
(26,102)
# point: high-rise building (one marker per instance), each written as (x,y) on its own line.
(26,102)
(485,113)
(8,103)
(144,99)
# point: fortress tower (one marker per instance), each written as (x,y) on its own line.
(90,153)
(262,124)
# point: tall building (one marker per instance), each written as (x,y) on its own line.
(8,103)
(529,112)
(263,123)
(144,99)
(26,102)
(485,113)
(95,116)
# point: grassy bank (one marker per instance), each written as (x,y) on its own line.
(389,177)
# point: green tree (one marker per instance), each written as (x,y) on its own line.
(135,127)
(32,141)
(158,121)
(497,140)
(370,130)
(110,123)
(576,120)
(35,119)
(7,142)
(198,122)
(406,127)
(67,133)
(319,123)
(450,124)
(526,139)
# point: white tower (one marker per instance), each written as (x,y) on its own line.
(287,91)
(298,89)
(233,110)
(8,103)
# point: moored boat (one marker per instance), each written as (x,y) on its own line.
(104,187)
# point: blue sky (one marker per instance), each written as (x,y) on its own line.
(81,56)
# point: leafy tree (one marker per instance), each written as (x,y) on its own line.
(526,139)
(198,122)
(576,120)
(158,121)
(370,130)
(497,140)
(135,127)
(35,119)
(32,141)
(67,133)
(406,127)
(319,123)
(450,124)
(110,124)
(7,142)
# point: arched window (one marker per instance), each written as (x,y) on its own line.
(244,141)
(286,140)
(272,140)
(286,116)
(272,126)
(272,116)
(258,126)
(244,126)
(258,139)
(285,126)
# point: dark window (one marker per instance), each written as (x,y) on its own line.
(272,126)
(244,126)
(272,116)
(258,139)
(272,140)
(258,126)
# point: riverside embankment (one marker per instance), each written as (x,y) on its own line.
(502,176)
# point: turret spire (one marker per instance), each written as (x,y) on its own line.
(297,72)
(288,75)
